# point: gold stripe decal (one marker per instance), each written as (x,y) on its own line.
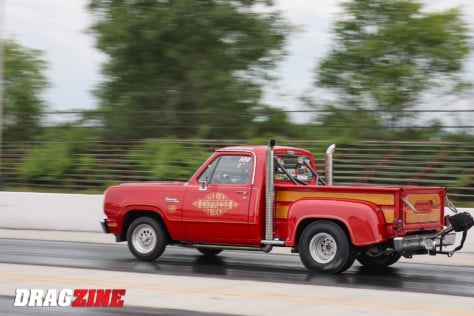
(377,198)
(428,207)
(285,198)
(281,211)
(413,198)
(389,215)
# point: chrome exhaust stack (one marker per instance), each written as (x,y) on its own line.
(328,164)
(269,241)
(269,191)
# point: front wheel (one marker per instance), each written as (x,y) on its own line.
(146,238)
(325,247)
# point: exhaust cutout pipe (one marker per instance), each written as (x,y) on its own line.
(328,164)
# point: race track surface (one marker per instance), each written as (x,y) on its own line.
(240,265)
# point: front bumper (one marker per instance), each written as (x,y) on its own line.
(107,224)
(437,243)
(104,226)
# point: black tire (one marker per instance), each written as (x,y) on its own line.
(146,238)
(209,251)
(381,261)
(325,247)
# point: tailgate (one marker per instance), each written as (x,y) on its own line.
(422,208)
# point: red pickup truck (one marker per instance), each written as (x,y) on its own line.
(259,197)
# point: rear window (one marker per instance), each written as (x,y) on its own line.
(294,165)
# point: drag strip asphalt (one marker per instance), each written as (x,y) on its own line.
(238,265)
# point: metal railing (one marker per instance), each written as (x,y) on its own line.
(445,164)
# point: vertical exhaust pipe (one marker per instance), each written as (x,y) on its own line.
(269,191)
(328,164)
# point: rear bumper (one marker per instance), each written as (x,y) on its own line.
(437,243)
(424,244)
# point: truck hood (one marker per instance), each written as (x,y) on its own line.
(158,186)
(142,193)
(154,184)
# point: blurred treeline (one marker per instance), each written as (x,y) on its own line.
(186,76)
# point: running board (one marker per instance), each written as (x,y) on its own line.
(264,248)
(274,242)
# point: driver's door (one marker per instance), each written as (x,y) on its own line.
(216,209)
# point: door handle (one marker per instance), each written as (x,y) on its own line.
(244,193)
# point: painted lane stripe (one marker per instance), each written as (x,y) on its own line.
(43,278)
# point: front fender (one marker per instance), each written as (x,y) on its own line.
(173,227)
(125,211)
(362,220)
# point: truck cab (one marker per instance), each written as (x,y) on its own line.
(260,197)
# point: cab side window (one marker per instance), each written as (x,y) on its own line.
(206,176)
(228,169)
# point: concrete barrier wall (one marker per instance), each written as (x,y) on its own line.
(51,211)
(72,212)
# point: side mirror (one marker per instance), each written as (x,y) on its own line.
(204,184)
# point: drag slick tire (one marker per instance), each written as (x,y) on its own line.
(209,251)
(381,261)
(325,247)
(146,238)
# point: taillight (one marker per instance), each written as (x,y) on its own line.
(398,224)
(447,222)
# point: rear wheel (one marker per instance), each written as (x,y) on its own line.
(384,260)
(325,247)
(209,251)
(146,238)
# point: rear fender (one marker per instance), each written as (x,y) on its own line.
(362,220)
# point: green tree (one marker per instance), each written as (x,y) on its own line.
(24,82)
(60,151)
(269,122)
(175,66)
(387,53)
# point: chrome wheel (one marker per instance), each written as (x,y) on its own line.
(323,248)
(147,238)
(144,238)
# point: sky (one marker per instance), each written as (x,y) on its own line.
(59,29)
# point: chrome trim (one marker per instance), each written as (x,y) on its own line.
(244,193)
(404,199)
(450,205)
(171,200)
